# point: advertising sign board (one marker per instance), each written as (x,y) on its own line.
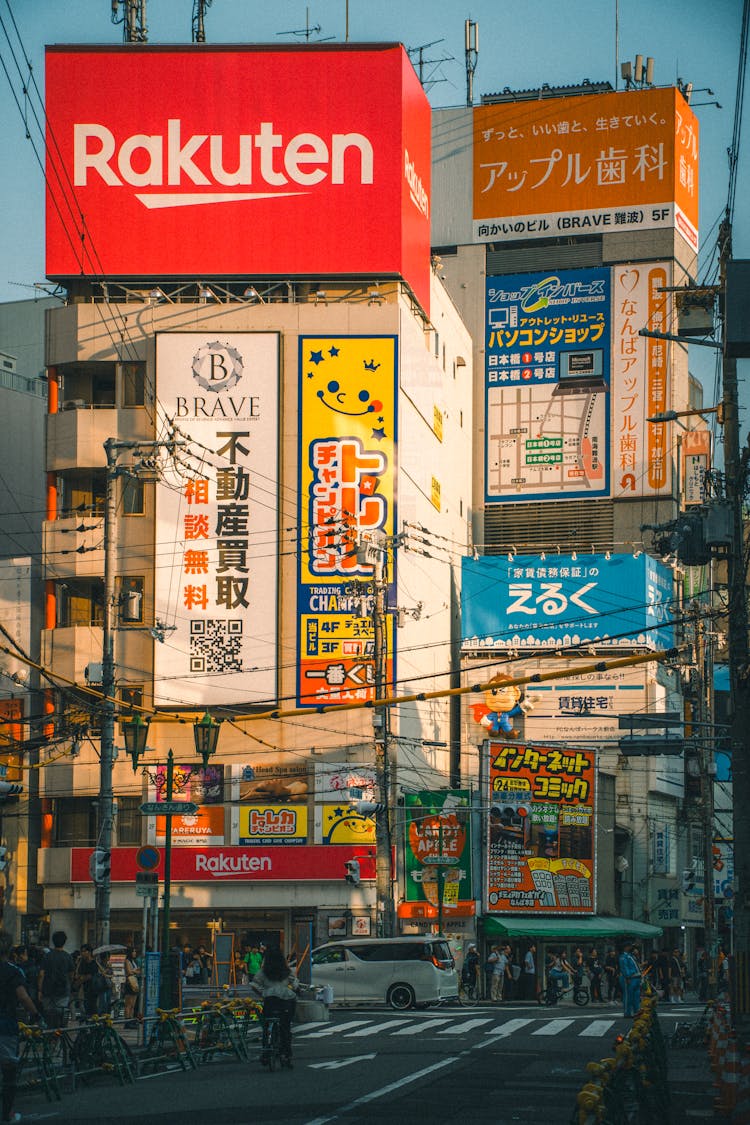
(641,383)
(438,834)
(526,603)
(337,785)
(541,830)
(311,862)
(619,161)
(217,524)
(547,385)
(239,161)
(347,496)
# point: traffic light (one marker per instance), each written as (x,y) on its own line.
(99,865)
(352,872)
(688,880)
(9,789)
(3,859)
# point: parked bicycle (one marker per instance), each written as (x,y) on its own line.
(468,993)
(692,1034)
(554,993)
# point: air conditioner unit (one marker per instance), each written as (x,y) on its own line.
(74,404)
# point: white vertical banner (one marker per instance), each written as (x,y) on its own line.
(216,556)
(641,450)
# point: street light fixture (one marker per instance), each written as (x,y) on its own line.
(206,734)
(136,733)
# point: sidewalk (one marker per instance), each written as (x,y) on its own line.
(690,1086)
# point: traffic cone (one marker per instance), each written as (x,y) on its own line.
(729,1075)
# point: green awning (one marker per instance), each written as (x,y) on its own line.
(574,926)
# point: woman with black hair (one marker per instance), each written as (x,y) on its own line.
(278,984)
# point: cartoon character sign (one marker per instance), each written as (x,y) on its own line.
(504,701)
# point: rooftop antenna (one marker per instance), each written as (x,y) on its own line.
(471,33)
(307,32)
(199,15)
(420,62)
(133,20)
(638,75)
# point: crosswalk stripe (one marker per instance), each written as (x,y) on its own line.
(335,1029)
(597,1027)
(376,1030)
(505,1029)
(467,1025)
(554,1027)
(423,1027)
(310,1026)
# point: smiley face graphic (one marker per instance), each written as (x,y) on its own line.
(341,399)
(349,391)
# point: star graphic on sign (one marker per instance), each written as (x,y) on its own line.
(381,418)
(378,432)
(333,350)
(311,374)
(316,357)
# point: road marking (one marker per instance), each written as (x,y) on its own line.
(375,1030)
(597,1027)
(384,1090)
(309,1026)
(336,1064)
(335,1030)
(503,1030)
(554,1027)
(467,1025)
(422,1027)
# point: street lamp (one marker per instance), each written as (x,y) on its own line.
(206,734)
(136,733)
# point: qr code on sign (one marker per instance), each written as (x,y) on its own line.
(216,645)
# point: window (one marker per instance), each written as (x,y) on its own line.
(87,384)
(133,384)
(81,493)
(329,956)
(129,822)
(133,497)
(80,601)
(74,822)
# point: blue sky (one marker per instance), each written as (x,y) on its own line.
(521,45)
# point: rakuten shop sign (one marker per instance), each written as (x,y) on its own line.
(225,163)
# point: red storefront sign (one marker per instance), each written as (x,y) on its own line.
(319,862)
(222,162)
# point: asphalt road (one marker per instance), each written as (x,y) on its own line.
(519,1063)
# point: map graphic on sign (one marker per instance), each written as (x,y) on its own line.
(547,385)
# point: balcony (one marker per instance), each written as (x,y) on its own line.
(74,547)
(67,651)
(76,436)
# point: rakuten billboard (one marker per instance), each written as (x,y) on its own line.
(228,162)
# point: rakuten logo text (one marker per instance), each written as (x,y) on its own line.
(144,160)
(223,866)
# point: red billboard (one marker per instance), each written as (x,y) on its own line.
(319,862)
(227,162)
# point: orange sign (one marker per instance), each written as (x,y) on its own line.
(206,826)
(618,161)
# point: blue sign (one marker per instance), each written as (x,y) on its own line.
(150,989)
(532,603)
(547,375)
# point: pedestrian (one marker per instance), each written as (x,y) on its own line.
(12,993)
(675,978)
(662,969)
(253,961)
(500,974)
(529,974)
(55,981)
(595,970)
(86,972)
(610,974)
(277,984)
(470,968)
(579,967)
(701,973)
(489,970)
(722,972)
(105,991)
(630,981)
(558,970)
(206,964)
(132,985)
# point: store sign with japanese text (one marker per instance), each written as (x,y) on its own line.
(437,847)
(541,830)
(273,824)
(239,161)
(347,500)
(547,378)
(641,379)
(582,708)
(216,519)
(204,788)
(696,461)
(529,603)
(338,785)
(610,162)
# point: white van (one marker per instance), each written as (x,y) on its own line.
(402,972)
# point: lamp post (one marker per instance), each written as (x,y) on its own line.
(206,736)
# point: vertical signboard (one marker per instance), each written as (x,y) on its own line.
(616,162)
(216,519)
(641,379)
(696,461)
(547,385)
(541,830)
(347,492)
(437,834)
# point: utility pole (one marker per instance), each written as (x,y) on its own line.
(735,475)
(704,733)
(105,818)
(381,720)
